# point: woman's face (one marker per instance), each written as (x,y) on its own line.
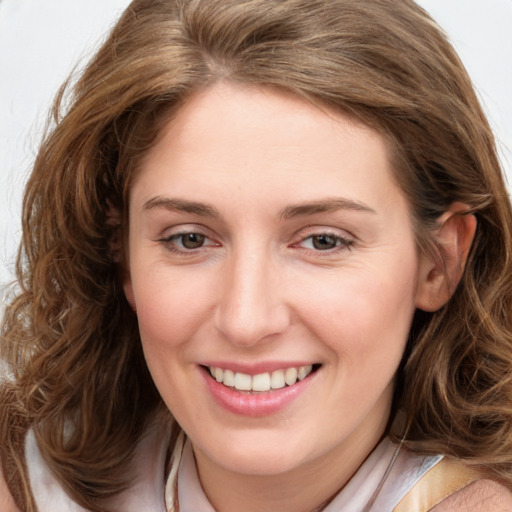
(268,239)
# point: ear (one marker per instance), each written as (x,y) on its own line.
(439,274)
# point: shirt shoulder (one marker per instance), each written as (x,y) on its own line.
(480,496)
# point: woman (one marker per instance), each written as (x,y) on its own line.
(267,240)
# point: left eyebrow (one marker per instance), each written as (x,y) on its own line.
(323,206)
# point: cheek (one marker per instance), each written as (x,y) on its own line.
(170,308)
(364,316)
(170,311)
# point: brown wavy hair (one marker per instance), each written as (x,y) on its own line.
(69,337)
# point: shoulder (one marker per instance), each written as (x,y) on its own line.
(6,500)
(480,496)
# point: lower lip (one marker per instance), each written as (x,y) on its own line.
(258,404)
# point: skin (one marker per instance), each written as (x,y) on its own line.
(481,496)
(259,290)
(6,500)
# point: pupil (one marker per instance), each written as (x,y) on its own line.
(323,242)
(193,240)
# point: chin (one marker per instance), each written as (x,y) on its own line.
(261,457)
(261,464)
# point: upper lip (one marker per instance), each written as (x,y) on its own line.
(256,368)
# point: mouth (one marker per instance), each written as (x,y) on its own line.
(262,382)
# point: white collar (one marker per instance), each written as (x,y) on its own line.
(191,496)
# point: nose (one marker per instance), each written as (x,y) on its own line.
(251,308)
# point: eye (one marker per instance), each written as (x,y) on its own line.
(189,240)
(325,242)
(184,242)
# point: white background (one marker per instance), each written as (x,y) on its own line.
(41,42)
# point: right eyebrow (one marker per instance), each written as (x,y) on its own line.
(181,205)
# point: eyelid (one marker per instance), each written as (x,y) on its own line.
(183,229)
(319,229)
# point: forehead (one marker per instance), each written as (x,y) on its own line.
(253,139)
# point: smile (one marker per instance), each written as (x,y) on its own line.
(262,382)
(252,394)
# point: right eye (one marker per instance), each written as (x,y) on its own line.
(187,241)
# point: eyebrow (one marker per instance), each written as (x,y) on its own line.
(323,206)
(181,205)
(291,211)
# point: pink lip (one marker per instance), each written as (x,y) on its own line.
(260,404)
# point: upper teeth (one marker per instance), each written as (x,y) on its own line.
(262,381)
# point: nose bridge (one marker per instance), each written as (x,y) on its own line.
(251,307)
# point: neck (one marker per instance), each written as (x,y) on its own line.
(307,488)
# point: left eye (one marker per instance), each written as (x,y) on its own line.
(325,242)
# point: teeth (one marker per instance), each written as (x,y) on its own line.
(229,378)
(243,381)
(277,380)
(304,371)
(290,376)
(263,381)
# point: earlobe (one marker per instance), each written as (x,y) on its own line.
(440,274)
